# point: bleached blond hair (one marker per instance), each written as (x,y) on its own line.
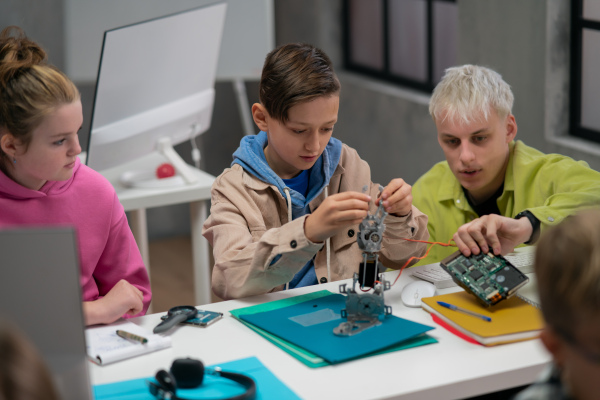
(468,93)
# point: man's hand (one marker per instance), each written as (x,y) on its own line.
(500,233)
(397,198)
(123,298)
(336,213)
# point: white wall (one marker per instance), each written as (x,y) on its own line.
(247,37)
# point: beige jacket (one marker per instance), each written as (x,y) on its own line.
(249,226)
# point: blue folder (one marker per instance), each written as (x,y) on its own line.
(267,385)
(310,325)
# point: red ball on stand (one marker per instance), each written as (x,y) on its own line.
(165,170)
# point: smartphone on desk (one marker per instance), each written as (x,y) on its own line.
(203,318)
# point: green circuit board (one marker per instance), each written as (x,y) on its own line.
(490,278)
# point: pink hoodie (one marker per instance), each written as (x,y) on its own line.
(88,202)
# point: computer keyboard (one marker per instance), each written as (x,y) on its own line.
(433,273)
(522,258)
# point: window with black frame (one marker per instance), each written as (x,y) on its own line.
(585,66)
(409,42)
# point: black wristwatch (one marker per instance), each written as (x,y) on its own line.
(535,225)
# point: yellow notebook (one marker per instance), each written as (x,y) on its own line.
(513,320)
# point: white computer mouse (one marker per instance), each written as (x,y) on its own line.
(413,292)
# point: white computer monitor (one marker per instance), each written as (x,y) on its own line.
(155,88)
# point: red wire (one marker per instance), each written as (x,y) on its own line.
(449,244)
(425,241)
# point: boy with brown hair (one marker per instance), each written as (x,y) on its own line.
(567,266)
(294,190)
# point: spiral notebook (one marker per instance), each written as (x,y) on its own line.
(104,346)
(513,320)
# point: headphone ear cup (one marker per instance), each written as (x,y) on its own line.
(188,372)
(166,381)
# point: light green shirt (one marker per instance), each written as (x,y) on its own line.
(551,186)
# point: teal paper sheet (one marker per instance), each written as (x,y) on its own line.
(306,357)
(310,324)
(268,385)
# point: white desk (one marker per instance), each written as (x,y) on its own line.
(137,200)
(450,369)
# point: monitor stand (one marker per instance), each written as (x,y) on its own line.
(148,179)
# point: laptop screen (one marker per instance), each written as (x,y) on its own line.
(40,292)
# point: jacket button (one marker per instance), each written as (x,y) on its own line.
(351,233)
(293,243)
(323,280)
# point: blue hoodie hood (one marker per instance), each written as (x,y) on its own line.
(250,155)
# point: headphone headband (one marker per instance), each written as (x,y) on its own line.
(189,373)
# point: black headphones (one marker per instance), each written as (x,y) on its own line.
(187,373)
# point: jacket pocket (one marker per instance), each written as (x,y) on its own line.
(257,233)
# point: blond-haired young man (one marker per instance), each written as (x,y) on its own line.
(492,192)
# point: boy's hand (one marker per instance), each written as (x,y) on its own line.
(500,233)
(397,198)
(336,213)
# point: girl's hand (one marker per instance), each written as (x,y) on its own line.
(123,298)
